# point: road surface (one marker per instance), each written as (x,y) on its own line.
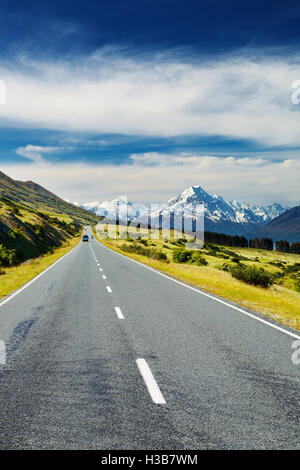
(104,353)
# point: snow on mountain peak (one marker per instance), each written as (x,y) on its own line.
(218,208)
(220,214)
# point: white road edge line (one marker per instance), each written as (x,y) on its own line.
(37,277)
(108,289)
(265,322)
(150,382)
(119,313)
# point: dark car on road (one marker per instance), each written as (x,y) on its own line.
(85,238)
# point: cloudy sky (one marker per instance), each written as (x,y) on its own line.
(146,98)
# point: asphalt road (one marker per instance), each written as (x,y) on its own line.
(135,360)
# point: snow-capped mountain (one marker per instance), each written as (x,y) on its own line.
(219,209)
(231,217)
(109,209)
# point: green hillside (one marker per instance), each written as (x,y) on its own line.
(34,221)
(34,196)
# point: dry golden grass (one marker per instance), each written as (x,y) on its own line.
(277,302)
(17,276)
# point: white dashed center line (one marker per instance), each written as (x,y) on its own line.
(108,289)
(104,277)
(119,313)
(2,353)
(150,382)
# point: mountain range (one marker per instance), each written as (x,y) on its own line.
(27,205)
(230,217)
(286,226)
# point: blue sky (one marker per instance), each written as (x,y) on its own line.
(146,98)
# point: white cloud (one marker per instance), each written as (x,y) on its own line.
(35,152)
(164,95)
(257,180)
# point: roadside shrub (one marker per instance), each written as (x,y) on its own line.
(10,257)
(278,275)
(142,250)
(228,265)
(292,281)
(180,242)
(134,248)
(230,253)
(297,283)
(211,247)
(159,255)
(220,255)
(252,275)
(225,266)
(277,264)
(180,255)
(198,259)
(224,253)
(293,268)
(189,256)
(213,253)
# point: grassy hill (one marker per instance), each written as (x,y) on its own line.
(34,221)
(34,196)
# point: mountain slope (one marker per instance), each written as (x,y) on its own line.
(34,196)
(284,227)
(38,189)
(34,221)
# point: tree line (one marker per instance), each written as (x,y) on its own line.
(258,243)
